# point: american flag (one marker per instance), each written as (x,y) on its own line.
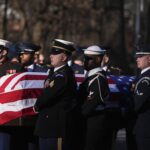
(120,91)
(19,92)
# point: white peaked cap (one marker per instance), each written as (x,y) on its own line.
(94,50)
(5,43)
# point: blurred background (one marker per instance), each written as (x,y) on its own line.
(118,25)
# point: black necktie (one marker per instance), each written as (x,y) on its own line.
(51,72)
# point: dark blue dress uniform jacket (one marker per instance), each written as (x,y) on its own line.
(55,104)
(142,105)
(95,92)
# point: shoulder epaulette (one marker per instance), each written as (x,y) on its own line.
(143,80)
(59,75)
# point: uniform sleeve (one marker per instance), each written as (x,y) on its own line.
(142,95)
(94,97)
(52,93)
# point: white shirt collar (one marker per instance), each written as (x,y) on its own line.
(144,70)
(31,66)
(93,71)
(105,68)
(69,63)
(55,69)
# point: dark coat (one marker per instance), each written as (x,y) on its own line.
(55,104)
(7,66)
(94,91)
(142,105)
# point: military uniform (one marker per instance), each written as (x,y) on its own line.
(94,91)
(57,100)
(142,99)
(7,67)
(142,109)
(55,104)
(27,123)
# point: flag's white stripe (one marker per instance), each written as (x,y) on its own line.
(15,79)
(27,84)
(3,79)
(17,105)
(113,88)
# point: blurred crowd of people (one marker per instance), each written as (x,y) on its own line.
(76,118)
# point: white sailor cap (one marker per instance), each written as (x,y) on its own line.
(143,50)
(5,43)
(94,50)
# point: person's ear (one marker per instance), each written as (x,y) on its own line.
(4,52)
(106,59)
(64,57)
(149,59)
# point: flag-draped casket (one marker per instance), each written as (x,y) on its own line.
(19,92)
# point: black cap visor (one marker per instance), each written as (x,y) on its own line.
(56,51)
(3,48)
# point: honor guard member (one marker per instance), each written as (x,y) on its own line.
(142,99)
(27,56)
(95,92)
(77,62)
(56,101)
(115,108)
(6,67)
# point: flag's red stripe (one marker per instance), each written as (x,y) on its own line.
(28,111)
(3,86)
(10,115)
(110,81)
(80,79)
(19,95)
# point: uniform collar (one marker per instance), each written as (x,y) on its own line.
(105,68)
(29,68)
(57,68)
(93,71)
(144,70)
